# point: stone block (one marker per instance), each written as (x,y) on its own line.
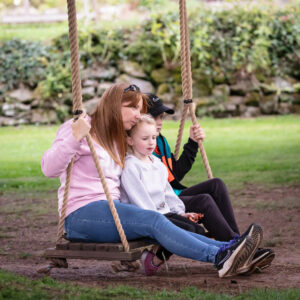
(132,68)
(145,86)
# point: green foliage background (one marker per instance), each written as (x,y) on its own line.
(264,41)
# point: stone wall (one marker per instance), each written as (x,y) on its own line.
(250,98)
(246,97)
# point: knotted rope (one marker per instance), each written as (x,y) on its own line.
(77,107)
(186,77)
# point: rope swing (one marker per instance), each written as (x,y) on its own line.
(186,77)
(78,109)
(127,252)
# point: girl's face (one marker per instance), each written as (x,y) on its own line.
(143,140)
(159,122)
(131,114)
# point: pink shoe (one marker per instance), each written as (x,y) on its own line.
(147,265)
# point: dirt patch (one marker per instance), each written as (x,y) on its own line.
(27,229)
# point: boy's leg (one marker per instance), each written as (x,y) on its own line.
(213,219)
(216,188)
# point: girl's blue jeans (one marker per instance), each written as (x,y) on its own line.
(94,223)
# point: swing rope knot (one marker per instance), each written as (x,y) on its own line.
(188,101)
(77,112)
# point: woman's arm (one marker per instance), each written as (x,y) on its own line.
(55,160)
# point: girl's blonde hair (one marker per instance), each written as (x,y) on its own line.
(145,118)
(106,120)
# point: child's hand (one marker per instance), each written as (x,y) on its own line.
(193,216)
(197,133)
(81,128)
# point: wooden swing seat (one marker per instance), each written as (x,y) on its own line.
(99,251)
(126,252)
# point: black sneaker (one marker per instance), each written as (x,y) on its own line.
(255,232)
(232,256)
(262,259)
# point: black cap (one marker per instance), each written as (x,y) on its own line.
(156,107)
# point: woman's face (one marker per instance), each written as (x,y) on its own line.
(131,114)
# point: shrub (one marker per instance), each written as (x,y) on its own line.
(22,61)
(264,42)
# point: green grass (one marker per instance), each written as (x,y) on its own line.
(33,32)
(21,288)
(46,32)
(263,150)
(20,157)
(240,151)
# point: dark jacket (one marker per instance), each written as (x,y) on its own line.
(184,162)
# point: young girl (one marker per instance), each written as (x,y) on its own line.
(144,183)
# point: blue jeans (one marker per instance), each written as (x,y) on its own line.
(94,223)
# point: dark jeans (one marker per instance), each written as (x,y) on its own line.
(211,199)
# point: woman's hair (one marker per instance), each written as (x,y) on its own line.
(148,119)
(106,120)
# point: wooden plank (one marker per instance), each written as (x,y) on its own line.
(63,246)
(101,246)
(88,246)
(75,246)
(138,244)
(85,254)
(116,247)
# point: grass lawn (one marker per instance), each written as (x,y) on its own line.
(46,32)
(240,151)
(33,32)
(21,288)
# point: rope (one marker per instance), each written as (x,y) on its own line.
(61,222)
(186,75)
(108,196)
(75,63)
(77,105)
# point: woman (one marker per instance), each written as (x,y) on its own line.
(88,217)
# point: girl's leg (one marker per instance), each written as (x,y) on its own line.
(186,224)
(95,223)
(164,254)
(217,189)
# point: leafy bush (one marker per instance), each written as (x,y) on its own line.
(22,61)
(264,42)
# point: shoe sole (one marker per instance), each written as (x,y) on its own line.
(260,264)
(238,258)
(256,234)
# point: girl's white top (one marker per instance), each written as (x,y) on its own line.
(146,186)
